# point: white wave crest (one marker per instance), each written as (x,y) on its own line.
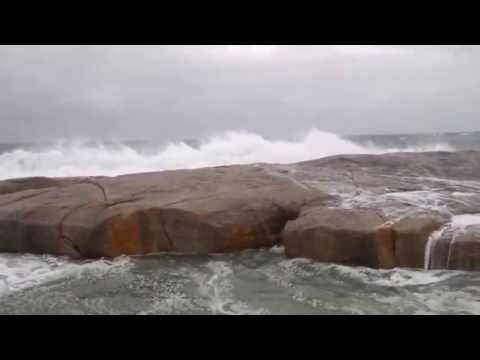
(20,272)
(79,158)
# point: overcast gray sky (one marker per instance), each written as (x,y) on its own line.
(171,92)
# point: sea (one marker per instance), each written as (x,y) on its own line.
(252,282)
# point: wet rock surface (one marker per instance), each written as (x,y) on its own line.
(410,237)
(18,185)
(382,211)
(340,236)
(196,211)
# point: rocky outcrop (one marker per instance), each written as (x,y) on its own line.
(336,235)
(361,237)
(379,211)
(456,247)
(463,165)
(464,251)
(410,236)
(17,185)
(192,211)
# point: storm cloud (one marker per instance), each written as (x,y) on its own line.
(172,92)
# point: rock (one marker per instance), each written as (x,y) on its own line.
(410,236)
(456,248)
(361,237)
(333,235)
(31,221)
(190,211)
(464,250)
(385,245)
(365,210)
(453,176)
(17,185)
(463,165)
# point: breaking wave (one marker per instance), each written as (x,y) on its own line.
(82,158)
(20,272)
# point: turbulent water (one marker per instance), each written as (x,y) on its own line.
(250,282)
(89,158)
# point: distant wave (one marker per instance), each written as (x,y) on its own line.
(83,158)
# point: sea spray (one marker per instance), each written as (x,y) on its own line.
(86,158)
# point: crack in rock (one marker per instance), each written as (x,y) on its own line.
(94,183)
(25,197)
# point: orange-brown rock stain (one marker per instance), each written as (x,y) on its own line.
(123,236)
(385,247)
(243,236)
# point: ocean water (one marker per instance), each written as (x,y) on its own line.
(250,282)
(259,282)
(83,157)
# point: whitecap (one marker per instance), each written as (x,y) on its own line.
(82,158)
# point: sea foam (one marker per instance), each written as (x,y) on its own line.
(82,158)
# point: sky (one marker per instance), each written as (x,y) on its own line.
(174,92)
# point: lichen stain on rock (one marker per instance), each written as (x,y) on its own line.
(385,246)
(121,236)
